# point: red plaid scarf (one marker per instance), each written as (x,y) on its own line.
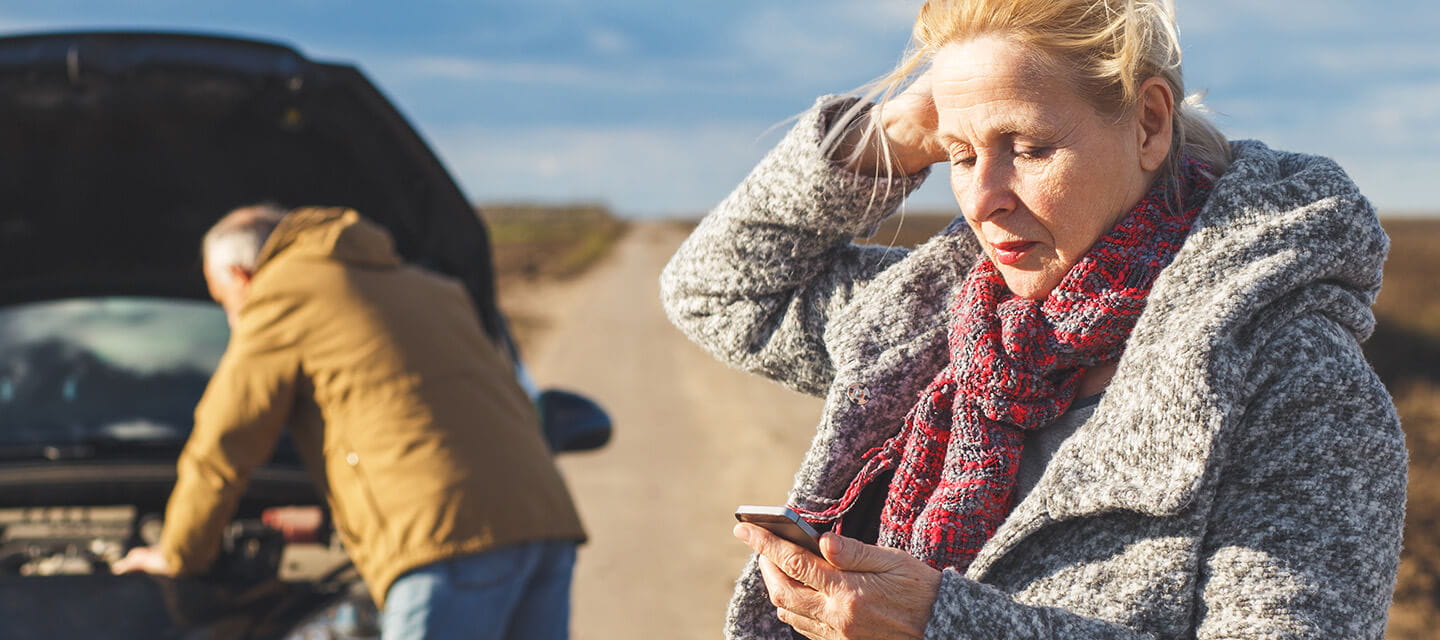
(1015,365)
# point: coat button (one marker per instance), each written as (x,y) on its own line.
(857,394)
(352,458)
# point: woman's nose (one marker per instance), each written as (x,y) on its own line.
(988,191)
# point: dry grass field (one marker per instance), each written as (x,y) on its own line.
(549,242)
(1406,352)
(534,245)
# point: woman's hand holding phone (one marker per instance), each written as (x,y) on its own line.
(848,590)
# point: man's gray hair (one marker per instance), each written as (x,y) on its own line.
(236,240)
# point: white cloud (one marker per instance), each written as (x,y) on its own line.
(554,74)
(871,12)
(849,43)
(460,68)
(1365,58)
(608,41)
(1380,134)
(1398,118)
(656,76)
(1404,118)
(10,25)
(637,170)
(1218,17)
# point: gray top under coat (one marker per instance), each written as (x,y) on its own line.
(1041,444)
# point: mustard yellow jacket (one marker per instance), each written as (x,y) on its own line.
(409,418)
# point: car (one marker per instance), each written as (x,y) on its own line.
(120,150)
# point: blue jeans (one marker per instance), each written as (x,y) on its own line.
(515,592)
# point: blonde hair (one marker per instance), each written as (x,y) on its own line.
(1109,48)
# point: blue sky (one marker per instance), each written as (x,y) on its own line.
(659,108)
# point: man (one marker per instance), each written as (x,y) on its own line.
(425,446)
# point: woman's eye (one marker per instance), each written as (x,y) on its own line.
(1033,153)
(961,155)
(963,160)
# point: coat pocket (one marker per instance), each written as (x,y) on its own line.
(357,514)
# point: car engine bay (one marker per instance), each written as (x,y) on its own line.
(70,540)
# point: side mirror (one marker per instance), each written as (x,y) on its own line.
(572,422)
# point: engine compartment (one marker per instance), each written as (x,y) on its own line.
(87,540)
(49,541)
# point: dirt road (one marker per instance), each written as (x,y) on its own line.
(693,440)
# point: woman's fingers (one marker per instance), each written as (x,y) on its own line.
(796,604)
(897,137)
(909,121)
(856,591)
(792,559)
(849,554)
(788,593)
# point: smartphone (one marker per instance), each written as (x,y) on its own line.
(783,522)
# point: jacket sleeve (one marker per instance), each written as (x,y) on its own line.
(237,424)
(1303,540)
(760,278)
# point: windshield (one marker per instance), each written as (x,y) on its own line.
(96,370)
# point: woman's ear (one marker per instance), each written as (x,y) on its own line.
(1155,122)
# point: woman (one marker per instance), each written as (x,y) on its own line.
(1122,397)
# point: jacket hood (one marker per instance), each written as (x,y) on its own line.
(1283,237)
(1281,226)
(332,233)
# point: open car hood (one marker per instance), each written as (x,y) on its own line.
(121,149)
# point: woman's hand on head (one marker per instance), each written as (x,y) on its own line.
(856,591)
(908,123)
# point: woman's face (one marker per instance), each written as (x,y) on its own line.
(1038,173)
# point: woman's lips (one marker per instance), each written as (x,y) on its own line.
(1008,253)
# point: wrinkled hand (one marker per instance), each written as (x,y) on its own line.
(146,560)
(856,591)
(907,122)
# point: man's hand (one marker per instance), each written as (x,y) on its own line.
(144,559)
(856,591)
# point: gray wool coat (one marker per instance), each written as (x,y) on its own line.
(1243,476)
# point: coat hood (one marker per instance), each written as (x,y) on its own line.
(1284,236)
(332,233)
